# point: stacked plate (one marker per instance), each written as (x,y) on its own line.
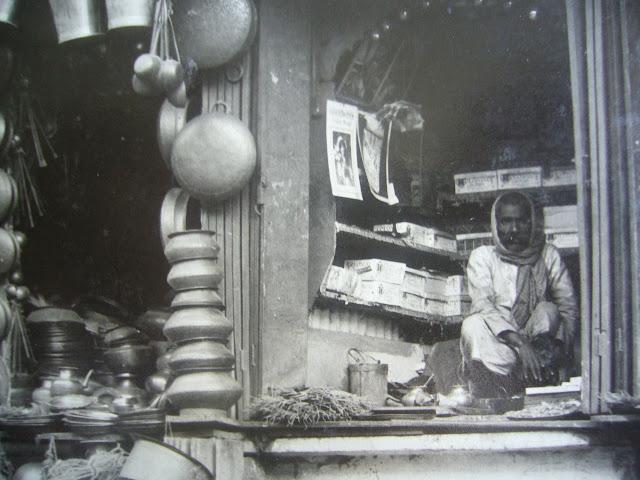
(59,339)
(149,421)
(89,422)
(28,426)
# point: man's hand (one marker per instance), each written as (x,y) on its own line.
(530,361)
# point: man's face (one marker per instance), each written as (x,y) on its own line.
(514,227)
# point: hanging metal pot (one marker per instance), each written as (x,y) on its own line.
(129,13)
(76,19)
(170,121)
(214,32)
(214,156)
(8,11)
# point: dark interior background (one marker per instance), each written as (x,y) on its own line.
(99,234)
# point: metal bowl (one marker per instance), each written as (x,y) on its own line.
(208,390)
(201,356)
(198,323)
(152,459)
(198,273)
(191,244)
(9,251)
(129,359)
(197,297)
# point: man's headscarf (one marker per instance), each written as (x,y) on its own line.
(532,275)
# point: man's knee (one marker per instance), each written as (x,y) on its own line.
(472,325)
(545,319)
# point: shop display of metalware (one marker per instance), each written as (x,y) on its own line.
(54,315)
(152,459)
(213,391)
(191,245)
(236,24)
(156,383)
(197,297)
(67,383)
(214,156)
(197,273)
(129,13)
(123,334)
(129,359)
(76,19)
(9,251)
(199,323)
(42,394)
(201,356)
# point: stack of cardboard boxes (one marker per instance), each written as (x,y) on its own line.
(393,283)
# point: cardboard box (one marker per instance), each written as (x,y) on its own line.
(475,182)
(456,285)
(372,269)
(378,292)
(564,217)
(469,241)
(562,238)
(340,280)
(559,176)
(427,237)
(415,281)
(515,178)
(457,305)
(411,301)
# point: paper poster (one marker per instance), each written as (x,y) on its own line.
(374,147)
(342,130)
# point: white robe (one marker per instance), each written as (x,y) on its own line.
(492,287)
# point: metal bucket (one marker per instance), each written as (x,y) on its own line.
(75,19)
(368,380)
(8,10)
(129,13)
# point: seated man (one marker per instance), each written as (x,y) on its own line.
(523,312)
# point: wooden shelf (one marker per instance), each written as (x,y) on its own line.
(363,234)
(389,311)
(565,252)
(484,197)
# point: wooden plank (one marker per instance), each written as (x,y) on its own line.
(576,38)
(630,20)
(593,360)
(283,90)
(621,294)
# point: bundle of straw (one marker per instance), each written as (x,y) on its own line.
(99,466)
(307,407)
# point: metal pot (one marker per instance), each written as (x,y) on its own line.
(153,459)
(129,13)
(173,213)
(235,22)
(214,156)
(129,359)
(9,251)
(201,356)
(190,324)
(204,390)
(171,120)
(191,244)
(8,193)
(198,273)
(152,321)
(76,19)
